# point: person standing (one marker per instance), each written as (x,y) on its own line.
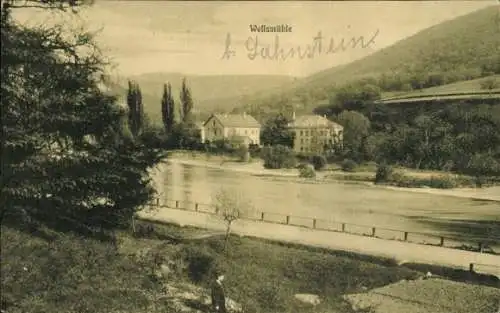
(218,295)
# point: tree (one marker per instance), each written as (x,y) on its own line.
(186,102)
(135,107)
(358,97)
(276,132)
(230,206)
(185,135)
(319,162)
(356,130)
(168,108)
(66,156)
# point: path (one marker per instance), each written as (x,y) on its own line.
(400,251)
(430,295)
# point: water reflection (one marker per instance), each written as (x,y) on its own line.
(347,203)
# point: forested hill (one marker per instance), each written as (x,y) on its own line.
(456,50)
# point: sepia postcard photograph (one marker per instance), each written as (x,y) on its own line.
(250,156)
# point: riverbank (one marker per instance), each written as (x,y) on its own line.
(255,167)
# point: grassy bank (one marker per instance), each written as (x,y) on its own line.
(63,273)
(264,276)
(414,179)
(403,177)
(68,274)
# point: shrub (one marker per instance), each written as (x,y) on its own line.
(349,165)
(301,165)
(489,83)
(384,173)
(442,182)
(243,153)
(279,156)
(307,171)
(319,162)
(200,261)
(145,231)
(254,150)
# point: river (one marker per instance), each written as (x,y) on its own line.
(332,202)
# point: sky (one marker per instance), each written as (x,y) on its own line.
(190,37)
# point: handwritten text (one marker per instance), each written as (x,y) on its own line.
(255,48)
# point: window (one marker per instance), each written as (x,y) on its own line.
(301,148)
(307,133)
(302,140)
(302,133)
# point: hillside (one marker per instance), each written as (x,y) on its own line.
(210,92)
(462,43)
(460,49)
(462,87)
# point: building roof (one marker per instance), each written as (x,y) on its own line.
(313,121)
(236,120)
